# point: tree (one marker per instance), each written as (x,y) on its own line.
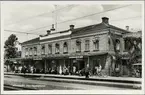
(10,49)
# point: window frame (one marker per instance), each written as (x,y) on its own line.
(117,45)
(65,46)
(49,48)
(78,46)
(42,49)
(35,51)
(31,51)
(87,45)
(57,48)
(26,52)
(96,44)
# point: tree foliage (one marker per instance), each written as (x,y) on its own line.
(10,49)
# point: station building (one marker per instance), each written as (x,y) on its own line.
(95,44)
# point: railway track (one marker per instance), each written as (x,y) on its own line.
(10,87)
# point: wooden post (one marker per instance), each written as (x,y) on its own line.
(45,66)
(88,60)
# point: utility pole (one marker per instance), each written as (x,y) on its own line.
(56,18)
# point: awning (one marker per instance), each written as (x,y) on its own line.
(62,56)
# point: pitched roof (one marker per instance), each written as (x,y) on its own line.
(83,30)
(90,28)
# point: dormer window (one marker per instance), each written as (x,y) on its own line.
(56,48)
(65,48)
(42,49)
(78,45)
(96,44)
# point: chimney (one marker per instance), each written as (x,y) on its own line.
(105,20)
(48,32)
(52,29)
(71,27)
(127,28)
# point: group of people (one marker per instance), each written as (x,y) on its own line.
(27,69)
(63,70)
(58,70)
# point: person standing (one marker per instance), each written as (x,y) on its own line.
(87,71)
(32,68)
(96,68)
(60,69)
(99,70)
(24,68)
(74,69)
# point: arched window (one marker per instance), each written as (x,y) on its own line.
(30,52)
(42,49)
(26,52)
(49,49)
(65,47)
(78,45)
(57,48)
(87,45)
(96,44)
(35,51)
(117,45)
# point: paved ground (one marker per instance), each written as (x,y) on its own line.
(33,83)
(91,77)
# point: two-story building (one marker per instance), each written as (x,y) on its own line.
(94,45)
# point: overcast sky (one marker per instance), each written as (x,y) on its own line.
(25,16)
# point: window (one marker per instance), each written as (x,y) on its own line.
(117,45)
(26,52)
(49,49)
(42,49)
(65,47)
(87,45)
(57,48)
(78,44)
(35,51)
(30,52)
(96,44)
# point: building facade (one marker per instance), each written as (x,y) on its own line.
(74,48)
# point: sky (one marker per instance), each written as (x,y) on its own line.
(26,16)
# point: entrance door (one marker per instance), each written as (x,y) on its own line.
(125,68)
(95,64)
(81,65)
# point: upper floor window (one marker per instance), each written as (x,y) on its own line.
(35,51)
(117,45)
(26,52)
(30,52)
(127,45)
(87,45)
(65,47)
(96,44)
(42,49)
(78,46)
(50,49)
(57,48)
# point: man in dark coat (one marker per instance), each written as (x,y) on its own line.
(87,71)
